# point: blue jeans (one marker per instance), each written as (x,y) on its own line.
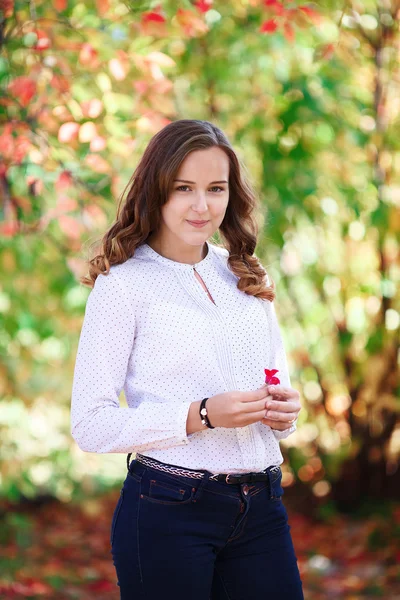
(181,538)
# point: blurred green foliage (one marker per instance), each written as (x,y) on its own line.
(312,109)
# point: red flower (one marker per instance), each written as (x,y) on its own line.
(270,376)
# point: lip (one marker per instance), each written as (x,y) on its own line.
(197,223)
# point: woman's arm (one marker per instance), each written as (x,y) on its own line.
(98,423)
(277,359)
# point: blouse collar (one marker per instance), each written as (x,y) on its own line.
(168,262)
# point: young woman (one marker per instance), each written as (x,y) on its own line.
(187,328)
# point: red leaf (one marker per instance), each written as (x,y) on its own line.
(9,228)
(288,32)
(192,25)
(325,51)
(7,8)
(153,23)
(269,26)
(102,6)
(23,88)
(60,5)
(64,181)
(88,55)
(154,17)
(311,13)
(276,6)
(203,5)
(43,41)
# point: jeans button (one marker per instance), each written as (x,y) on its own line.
(245,489)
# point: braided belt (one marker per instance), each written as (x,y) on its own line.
(227,477)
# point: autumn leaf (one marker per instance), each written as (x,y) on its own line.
(288,32)
(60,5)
(191,24)
(275,6)
(23,88)
(269,26)
(103,6)
(311,13)
(153,17)
(43,41)
(203,5)
(88,56)
(6,8)
(64,181)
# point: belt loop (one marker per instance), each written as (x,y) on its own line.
(127,460)
(203,482)
(270,482)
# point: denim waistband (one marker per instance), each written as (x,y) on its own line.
(230,478)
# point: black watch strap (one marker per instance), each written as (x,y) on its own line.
(203,414)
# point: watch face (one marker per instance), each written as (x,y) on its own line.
(203,411)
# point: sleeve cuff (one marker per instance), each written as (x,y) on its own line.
(281,435)
(181,420)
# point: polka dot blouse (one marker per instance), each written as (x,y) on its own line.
(151,329)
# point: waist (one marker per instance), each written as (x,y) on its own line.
(273,471)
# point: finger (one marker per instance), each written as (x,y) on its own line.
(258,394)
(279,390)
(277,416)
(282,406)
(283,392)
(260,416)
(276,425)
(257,405)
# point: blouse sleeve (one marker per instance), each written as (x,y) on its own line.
(98,423)
(277,359)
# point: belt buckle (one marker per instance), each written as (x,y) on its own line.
(230,475)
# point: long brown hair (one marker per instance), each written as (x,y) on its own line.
(139,213)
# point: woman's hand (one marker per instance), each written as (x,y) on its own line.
(283,408)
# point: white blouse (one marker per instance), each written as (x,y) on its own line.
(152,330)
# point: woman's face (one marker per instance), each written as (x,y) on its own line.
(200,192)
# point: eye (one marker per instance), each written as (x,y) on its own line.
(215,187)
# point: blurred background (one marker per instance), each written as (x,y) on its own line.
(309,95)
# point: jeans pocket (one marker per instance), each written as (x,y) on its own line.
(161,491)
(115,515)
(276,489)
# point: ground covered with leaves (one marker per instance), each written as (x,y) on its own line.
(61,551)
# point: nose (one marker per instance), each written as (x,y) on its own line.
(200,202)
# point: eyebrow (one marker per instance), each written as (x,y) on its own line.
(186,181)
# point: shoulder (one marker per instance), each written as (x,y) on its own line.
(116,281)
